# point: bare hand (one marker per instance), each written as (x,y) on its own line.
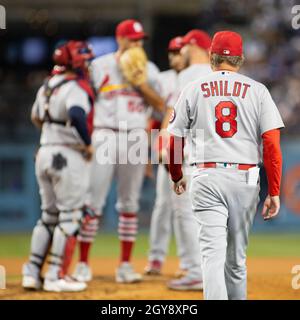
(271,207)
(180,186)
(88,152)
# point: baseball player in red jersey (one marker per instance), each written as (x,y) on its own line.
(61,110)
(120,108)
(227,117)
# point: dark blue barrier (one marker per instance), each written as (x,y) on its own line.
(19,200)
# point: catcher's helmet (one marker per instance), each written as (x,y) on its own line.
(73,54)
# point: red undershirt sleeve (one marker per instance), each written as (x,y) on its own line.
(272,159)
(176,157)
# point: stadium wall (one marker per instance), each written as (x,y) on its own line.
(19,199)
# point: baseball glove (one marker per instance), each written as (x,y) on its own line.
(133,63)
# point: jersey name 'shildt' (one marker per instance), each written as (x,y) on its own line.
(232,110)
(221,88)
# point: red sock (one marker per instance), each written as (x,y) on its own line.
(69,251)
(126,250)
(84,251)
(127,233)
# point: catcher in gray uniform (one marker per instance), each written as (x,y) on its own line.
(62,109)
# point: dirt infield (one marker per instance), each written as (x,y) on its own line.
(268,278)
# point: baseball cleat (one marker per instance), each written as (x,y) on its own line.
(126,274)
(64,285)
(153,268)
(185,284)
(31,283)
(83,272)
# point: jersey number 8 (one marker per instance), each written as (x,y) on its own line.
(226,113)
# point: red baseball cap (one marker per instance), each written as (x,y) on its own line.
(227,43)
(175,44)
(131,29)
(199,38)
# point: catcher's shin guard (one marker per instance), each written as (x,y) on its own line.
(68,226)
(40,242)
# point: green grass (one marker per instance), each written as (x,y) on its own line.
(107,245)
(274,245)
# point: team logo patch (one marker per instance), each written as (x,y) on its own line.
(137,27)
(172,116)
(58,52)
(226,51)
(178,41)
(59,161)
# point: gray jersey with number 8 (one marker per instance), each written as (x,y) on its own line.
(231,112)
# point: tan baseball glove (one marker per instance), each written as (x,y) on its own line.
(133,63)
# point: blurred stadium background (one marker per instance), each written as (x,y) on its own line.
(33,27)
